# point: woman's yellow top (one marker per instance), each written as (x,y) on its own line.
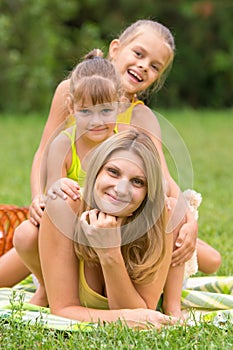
(87,296)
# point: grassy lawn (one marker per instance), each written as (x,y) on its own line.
(208,137)
(19,140)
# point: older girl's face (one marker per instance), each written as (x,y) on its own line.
(121,184)
(140,62)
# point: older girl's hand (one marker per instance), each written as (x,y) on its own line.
(185,243)
(36,209)
(64,187)
(101,230)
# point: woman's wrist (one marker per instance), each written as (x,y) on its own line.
(109,256)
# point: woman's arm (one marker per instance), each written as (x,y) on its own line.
(122,293)
(60,271)
(103,234)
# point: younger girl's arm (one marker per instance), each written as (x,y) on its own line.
(58,162)
(58,159)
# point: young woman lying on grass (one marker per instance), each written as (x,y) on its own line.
(107,256)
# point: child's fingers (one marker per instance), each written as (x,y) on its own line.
(180,256)
(72,190)
(55,191)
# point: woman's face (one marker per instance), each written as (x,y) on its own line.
(121,184)
(141,62)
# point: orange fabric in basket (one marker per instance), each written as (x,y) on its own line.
(10,217)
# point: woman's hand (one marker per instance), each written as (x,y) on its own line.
(147,318)
(64,187)
(36,209)
(101,230)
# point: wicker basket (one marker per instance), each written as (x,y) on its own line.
(10,217)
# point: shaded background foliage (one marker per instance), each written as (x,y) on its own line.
(40,42)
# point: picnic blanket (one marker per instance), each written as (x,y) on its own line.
(205,299)
(209,298)
(14,302)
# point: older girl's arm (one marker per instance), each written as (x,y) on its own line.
(55,122)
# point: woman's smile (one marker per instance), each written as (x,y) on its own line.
(116,199)
(121,184)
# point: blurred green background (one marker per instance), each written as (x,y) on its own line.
(40,42)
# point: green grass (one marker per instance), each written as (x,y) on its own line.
(17,335)
(208,137)
(20,136)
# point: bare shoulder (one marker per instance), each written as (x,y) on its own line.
(144,118)
(57,114)
(63,86)
(61,143)
(59,100)
(142,109)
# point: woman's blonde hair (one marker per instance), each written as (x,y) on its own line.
(95,79)
(143,233)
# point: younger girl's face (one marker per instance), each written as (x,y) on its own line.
(121,184)
(140,62)
(95,123)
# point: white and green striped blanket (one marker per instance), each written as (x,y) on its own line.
(209,298)
(205,298)
(14,303)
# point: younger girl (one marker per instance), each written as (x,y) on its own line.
(93,104)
